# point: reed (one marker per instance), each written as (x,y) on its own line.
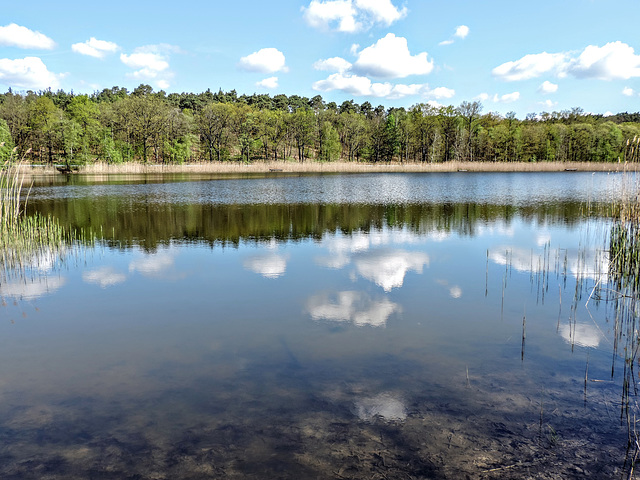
(100,168)
(24,238)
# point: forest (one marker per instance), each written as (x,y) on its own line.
(115,126)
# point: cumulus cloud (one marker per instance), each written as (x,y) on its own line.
(506,98)
(28,72)
(548,104)
(461,31)
(265,60)
(353,307)
(628,91)
(382,11)
(334,64)
(270,83)
(362,86)
(613,61)
(151,62)
(351,15)
(548,87)
(389,57)
(531,66)
(13,35)
(94,48)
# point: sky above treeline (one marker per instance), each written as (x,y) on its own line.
(526,57)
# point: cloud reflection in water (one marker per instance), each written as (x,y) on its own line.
(388,406)
(104,276)
(387,268)
(270,265)
(351,306)
(581,334)
(31,290)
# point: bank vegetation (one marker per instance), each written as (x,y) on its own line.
(116,126)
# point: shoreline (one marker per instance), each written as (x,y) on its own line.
(330,167)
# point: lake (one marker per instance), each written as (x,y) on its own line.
(317,326)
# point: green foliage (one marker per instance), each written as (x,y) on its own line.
(6,142)
(115,125)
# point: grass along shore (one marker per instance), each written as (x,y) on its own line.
(101,168)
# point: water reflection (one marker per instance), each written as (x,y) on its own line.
(242,384)
(387,268)
(388,406)
(589,263)
(581,334)
(269,265)
(32,288)
(351,306)
(104,276)
(152,265)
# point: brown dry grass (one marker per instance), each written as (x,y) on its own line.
(102,168)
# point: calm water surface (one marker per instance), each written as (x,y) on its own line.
(340,326)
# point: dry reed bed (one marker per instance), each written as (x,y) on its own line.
(101,168)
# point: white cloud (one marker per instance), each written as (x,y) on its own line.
(354,307)
(340,13)
(334,64)
(389,57)
(94,48)
(265,60)
(382,11)
(548,87)
(363,86)
(28,72)
(506,98)
(151,63)
(613,61)
(629,92)
(461,31)
(270,83)
(441,92)
(548,104)
(13,35)
(531,66)
(351,15)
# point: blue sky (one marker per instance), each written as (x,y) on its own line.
(512,56)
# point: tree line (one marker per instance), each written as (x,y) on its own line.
(115,125)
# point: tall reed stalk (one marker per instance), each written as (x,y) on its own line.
(24,238)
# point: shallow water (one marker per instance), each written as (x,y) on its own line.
(339,326)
